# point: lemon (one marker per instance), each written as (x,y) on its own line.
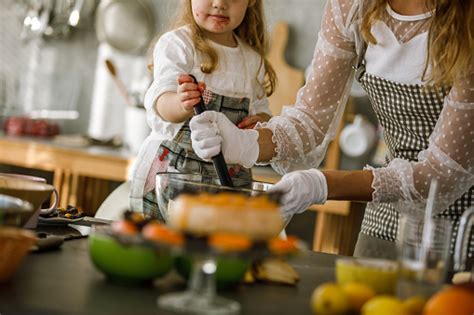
(379,274)
(414,305)
(358,294)
(329,299)
(384,305)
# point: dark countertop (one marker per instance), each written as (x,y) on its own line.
(66,282)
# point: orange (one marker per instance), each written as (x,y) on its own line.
(229,242)
(281,246)
(124,227)
(157,232)
(453,300)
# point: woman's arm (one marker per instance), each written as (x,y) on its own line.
(302,132)
(349,185)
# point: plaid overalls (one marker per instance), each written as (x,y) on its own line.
(179,156)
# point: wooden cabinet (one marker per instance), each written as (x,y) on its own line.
(83,176)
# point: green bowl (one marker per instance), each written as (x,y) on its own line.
(127,264)
(230,270)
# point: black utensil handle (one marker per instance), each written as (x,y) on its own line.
(218,160)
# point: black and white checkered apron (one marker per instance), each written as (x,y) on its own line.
(179,155)
(408,113)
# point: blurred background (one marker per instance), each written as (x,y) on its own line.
(73,73)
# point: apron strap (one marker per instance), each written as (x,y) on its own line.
(359,65)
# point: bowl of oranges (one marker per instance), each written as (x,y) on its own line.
(133,250)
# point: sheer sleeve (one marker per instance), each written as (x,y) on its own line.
(302,132)
(448,158)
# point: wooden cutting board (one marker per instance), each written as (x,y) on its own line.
(290,79)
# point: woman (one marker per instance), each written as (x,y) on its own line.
(415,61)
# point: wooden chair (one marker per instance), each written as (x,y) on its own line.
(337,222)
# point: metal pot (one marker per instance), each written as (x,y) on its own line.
(113,15)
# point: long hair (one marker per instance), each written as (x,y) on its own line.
(450,37)
(252,31)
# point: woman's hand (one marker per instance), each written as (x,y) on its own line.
(300,190)
(212,132)
(249,122)
(189,93)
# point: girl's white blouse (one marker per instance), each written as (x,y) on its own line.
(303,131)
(237,75)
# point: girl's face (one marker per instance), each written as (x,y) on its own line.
(219,18)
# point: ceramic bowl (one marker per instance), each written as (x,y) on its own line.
(14,245)
(34,192)
(12,210)
(130,263)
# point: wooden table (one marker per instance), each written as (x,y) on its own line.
(66,282)
(82,177)
(81,174)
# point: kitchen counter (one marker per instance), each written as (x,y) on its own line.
(66,282)
(83,176)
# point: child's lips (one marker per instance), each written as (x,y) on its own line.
(219,18)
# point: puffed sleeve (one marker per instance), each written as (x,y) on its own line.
(303,131)
(173,55)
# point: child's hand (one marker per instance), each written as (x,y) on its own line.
(189,93)
(250,121)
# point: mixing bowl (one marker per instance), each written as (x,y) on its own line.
(13,210)
(171,185)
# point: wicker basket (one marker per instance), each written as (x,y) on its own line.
(14,245)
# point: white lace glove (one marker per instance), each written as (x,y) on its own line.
(211,131)
(300,190)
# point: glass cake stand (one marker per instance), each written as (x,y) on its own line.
(201,296)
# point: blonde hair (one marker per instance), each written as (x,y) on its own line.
(450,42)
(252,31)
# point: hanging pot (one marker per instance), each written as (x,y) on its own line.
(127,26)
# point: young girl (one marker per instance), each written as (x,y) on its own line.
(221,43)
(415,61)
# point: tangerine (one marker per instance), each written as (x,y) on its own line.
(453,300)
(124,227)
(157,232)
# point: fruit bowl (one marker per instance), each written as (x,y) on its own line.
(379,274)
(230,270)
(127,263)
(171,185)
